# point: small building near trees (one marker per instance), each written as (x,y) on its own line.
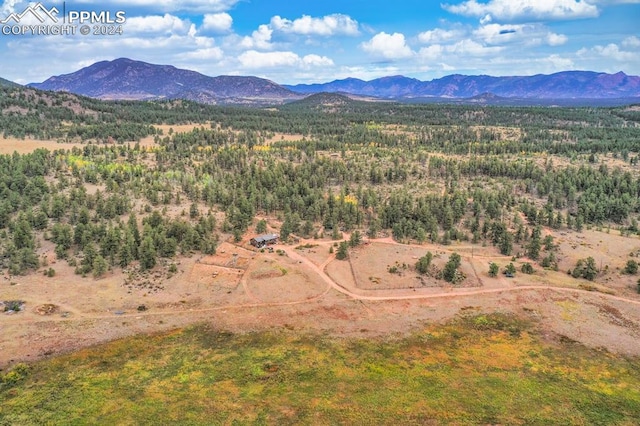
(264,240)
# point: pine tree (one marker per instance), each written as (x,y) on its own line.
(127,251)
(343,251)
(422,265)
(355,239)
(147,254)
(99,266)
(506,243)
(533,249)
(451,267)
(261,226)
(493,269)
(132,224)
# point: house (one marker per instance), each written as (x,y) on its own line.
(264,240)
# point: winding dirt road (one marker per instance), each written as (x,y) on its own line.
(458,293)
(331,284)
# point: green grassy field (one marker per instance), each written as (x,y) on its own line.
(477,370)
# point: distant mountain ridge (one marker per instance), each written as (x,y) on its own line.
(7,83)
(128,79)
(562,85)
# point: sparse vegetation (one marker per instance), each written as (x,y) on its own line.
(343,251)
(493,269)
(510,270)
(451,273)
(261,226)
(585,268)
(13,305)
(306,246)
(527,268)
(631,267)
(423,264)
(208,376)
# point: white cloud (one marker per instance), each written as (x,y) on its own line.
(325,26)
(157,24)
(432,53)
(366,73)
(632,41)
(205,6)
(506,64)
(554,39)
(509,10)
(8,7)
(486,19)
(462,49)
(472,48)
(253,59)
(528,34)
(217,22)
(499,34)
(556,63)
(439,35)
(205,54)
(259,39)
(388,46)
(609,52)
(313,60)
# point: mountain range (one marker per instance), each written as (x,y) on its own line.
(128,79)
(562,85)
(135,80)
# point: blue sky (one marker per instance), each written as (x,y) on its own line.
(308,41)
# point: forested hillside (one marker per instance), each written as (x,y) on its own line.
(417,172)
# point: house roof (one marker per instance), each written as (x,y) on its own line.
(265,237)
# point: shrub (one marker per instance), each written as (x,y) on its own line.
(451,268)
(631,267)
(422,265)
(13,305)
(493,269)
(510,269)
(526,268)
(585,268)
(17,374)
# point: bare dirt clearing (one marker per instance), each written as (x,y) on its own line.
(281,137)
(610,251)
(240,289)
(9,145)
(381,267)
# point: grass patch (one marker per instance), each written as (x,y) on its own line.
(306,246)
(482,369)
